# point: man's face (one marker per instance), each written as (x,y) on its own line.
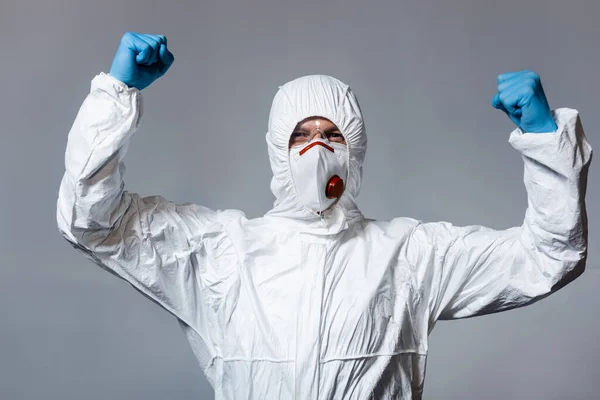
(315,127)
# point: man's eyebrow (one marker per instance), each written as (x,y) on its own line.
(326,130)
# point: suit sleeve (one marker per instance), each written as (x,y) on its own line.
(154,244)
(474,270)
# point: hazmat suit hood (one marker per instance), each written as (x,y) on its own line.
(315,96)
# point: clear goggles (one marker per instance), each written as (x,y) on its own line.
(301,138)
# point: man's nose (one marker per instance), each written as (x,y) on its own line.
(317,134)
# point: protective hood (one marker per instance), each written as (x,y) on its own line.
(315,96)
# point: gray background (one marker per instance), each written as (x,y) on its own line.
(424,73)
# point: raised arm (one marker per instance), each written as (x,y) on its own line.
(155,245)
(473,270)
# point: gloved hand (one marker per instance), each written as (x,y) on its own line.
(141,59)
(521,96)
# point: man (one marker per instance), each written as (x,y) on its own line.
(313,300)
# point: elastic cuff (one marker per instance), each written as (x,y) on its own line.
(106,81)
(565,120)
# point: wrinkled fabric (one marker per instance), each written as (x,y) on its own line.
(295,305)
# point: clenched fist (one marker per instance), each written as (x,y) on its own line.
(521,96)
(141,59)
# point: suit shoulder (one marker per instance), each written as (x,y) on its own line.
(399,226)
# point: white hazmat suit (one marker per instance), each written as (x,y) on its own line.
(295,305)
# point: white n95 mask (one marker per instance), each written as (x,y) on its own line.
(319,171)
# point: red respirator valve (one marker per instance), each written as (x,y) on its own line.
(335,187)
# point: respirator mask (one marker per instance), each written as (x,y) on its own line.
(319,168)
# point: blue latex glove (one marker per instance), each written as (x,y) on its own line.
(141,59)
(521,96)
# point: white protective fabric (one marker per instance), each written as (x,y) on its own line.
(294,305)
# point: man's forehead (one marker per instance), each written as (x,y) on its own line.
(315,122)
